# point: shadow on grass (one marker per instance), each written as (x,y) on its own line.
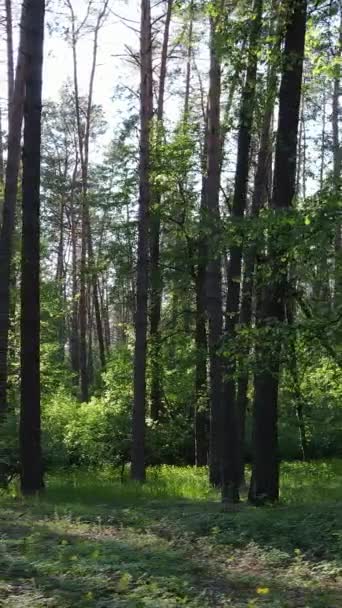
(166,554)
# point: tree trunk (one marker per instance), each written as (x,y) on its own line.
(213,276)
(74,330)
(337,161)
(262,185)
(156,276)
(90,353)
(9,209)
(10,62)
(1,163)
(60,281)
(188,63)
(146,113)
(84,381)
(30,444)
(230,489)
(201,394)
(265,474)
(296,391)
(83,133)
(96,300)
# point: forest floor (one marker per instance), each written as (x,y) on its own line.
(91,542)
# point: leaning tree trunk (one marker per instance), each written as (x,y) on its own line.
(9,209)
(265,473)
(230,487)
(30,445)
(156,275)
(140,349)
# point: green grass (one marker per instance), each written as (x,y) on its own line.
(91,542)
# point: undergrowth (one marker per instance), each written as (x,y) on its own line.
(92,542)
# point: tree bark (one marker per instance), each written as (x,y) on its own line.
(74,330)
(30,441)
(10,61)
(202,425)
(9,210)
(296,391)
(337,161)
(146,114)
(213,271)
(1,164)
(262,188)
(156,275)
(265,473)
(86,240)
(230,488)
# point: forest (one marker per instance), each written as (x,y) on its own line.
(170,304)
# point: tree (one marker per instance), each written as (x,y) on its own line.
(156,276)
(83,136)
(140,349)
(9,210)
(230,454)
(30,440)
(213,271)
(261,190)
(265,473)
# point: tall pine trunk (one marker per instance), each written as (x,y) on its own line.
(265,473)
(230,488)
(140,349)
(262,188)
(30,441)
(213,271)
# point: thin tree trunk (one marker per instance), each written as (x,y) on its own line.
(74,331)
(337,161)
(156,275)
(90,354)
(97,309)
(9,209)
(84,381)
(293,367)
(265,473)
(146,113)
(201,402)
(86,240)
(201,393)
(230,489)
(60,281)
(30,443)
(188,63)
(10,61)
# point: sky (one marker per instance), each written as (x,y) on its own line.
(119,31)
(111,69)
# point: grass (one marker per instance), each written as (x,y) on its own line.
(91,542)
